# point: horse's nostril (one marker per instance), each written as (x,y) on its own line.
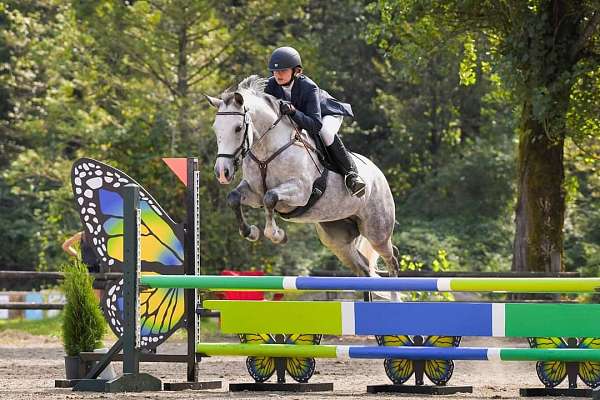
(226,173)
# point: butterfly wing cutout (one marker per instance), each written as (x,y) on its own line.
(589,371)
(398,370)
(551,373)
(440,371)
(98,192)
(259,368)
(161,311)
(301,369)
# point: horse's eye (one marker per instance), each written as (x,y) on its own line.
(238,128)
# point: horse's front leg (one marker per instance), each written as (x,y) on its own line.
(294,194)
(243,195)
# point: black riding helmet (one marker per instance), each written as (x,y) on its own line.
(284,58)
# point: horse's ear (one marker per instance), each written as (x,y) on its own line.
(213,101)
(239,99)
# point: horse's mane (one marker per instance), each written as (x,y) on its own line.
(253,84)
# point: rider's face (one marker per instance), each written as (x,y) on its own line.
(283,76)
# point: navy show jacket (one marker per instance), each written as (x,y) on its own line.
(311,103)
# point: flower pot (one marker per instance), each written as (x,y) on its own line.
(74,368)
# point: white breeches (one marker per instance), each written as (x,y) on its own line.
(331,126)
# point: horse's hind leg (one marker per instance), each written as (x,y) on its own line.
(377,226)
(341,238)
(365,248)
(389,253)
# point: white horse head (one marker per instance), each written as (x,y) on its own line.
(241,115)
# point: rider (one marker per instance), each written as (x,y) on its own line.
(313,109)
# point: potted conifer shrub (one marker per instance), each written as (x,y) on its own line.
(83,324)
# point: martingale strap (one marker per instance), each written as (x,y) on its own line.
(264,165)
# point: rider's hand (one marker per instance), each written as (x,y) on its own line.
(286,108)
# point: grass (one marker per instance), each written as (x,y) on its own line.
(52,327)
(43,327)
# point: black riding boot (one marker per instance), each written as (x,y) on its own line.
(354,183)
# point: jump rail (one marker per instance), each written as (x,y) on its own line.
(278,283)
(410,353)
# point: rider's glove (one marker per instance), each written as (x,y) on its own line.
(286,108)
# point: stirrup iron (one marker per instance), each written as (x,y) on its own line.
(360,191)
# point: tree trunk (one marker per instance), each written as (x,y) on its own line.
(540,211)
(538,244)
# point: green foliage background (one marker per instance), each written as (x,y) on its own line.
(436,108)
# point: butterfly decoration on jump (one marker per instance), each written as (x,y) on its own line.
(400,370)
(98,193)
(262,368)
(552,373)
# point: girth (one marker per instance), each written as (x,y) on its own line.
(319,186)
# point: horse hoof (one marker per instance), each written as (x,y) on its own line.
(283,239)
(254,234)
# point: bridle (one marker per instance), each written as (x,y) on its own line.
(245,149)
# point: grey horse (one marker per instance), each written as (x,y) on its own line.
(250,132)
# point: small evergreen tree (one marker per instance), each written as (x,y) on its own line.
(83,323)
